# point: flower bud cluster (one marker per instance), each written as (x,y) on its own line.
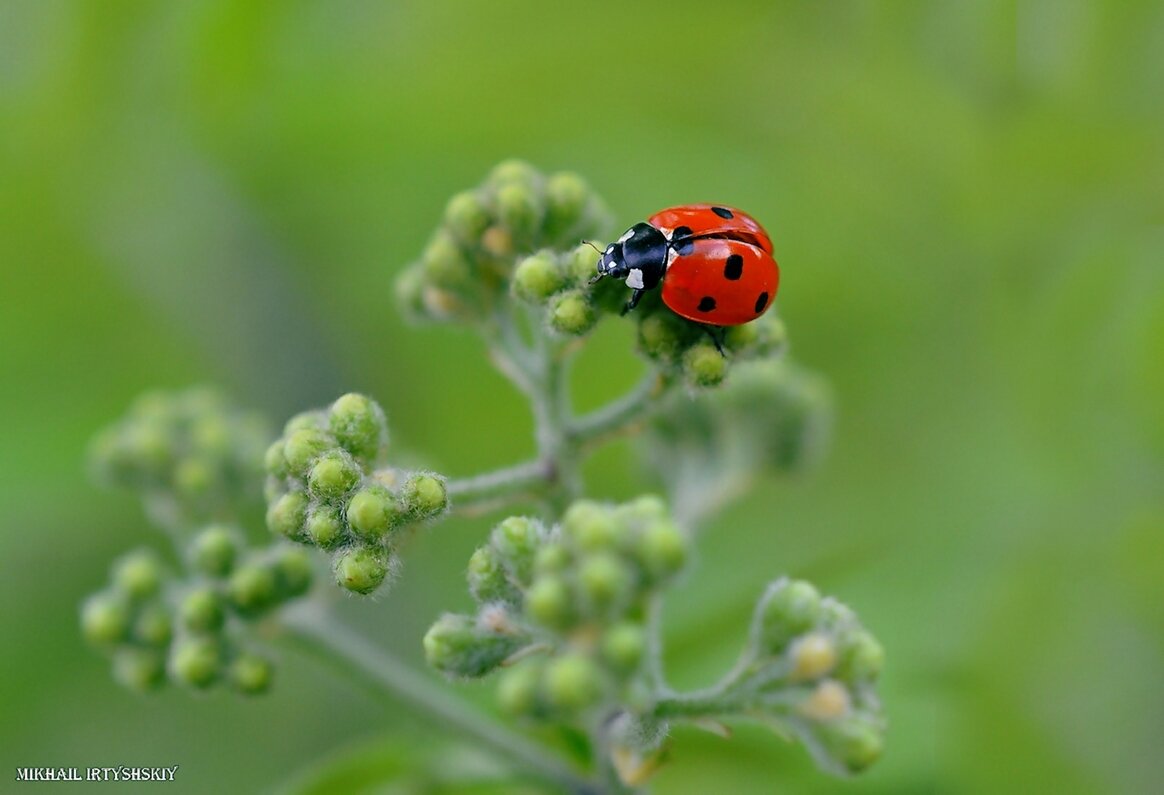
(156,626)
(324,490)
(770,416)
(570,600)
(688,350)
(468,263)
(815,668)
(558,282)
(192,447)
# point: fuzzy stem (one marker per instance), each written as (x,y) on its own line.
(322,636)
(472,493)
(620,416)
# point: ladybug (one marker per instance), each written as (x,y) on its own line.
(715,263)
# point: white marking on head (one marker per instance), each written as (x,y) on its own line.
(635,279)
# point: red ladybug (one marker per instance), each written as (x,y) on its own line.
(715,263)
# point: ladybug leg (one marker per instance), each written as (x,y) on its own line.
(634,301)
(718,339)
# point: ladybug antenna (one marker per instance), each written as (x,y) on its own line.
(588,243)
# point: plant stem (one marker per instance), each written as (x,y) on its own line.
(481,491)
(321,635)
(619,416)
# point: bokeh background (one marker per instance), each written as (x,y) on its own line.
(966,202)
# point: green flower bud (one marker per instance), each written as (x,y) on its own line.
(662,548)
(862,658)
(467,217)
(567,198)
(153,626)
(703,365)
(410,286)
(252,588)
(571,313)
(359,425)
(313,420)
(214,550)
(521,210)
(604,580)
(549,602)
(456,645)
(590,526)
(325,526)
(517,540)
(517,689)
(424,496)
(105,618)
(487,578)
(303,446)
(293,572)
(552,559)
(361,569)
(537,277)
(211,436)
(789,608)
(373,512)
(140,670)
(274,462)
(663,335)
(251,674)
(812,656)
(332,476)
(740,338)
(196,478)
(855,742)
(572,682)
(110,458)
(202,610)
(138,575)
(514,171)
(581,264)
(155,406)
(771,334)
(624,645)
(445,264)
(150,451)
(286,516)
(196,661)
(641,511)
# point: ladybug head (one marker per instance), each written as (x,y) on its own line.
(641,249)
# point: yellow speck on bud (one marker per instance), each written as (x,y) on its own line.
(813,656)
(497,241)
(830,700)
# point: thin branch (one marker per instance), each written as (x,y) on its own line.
(619,416)
(499,486)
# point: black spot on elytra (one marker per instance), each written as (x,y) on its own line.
(761,302)
(734,268)
(682,240)
(706,304)
(722,212)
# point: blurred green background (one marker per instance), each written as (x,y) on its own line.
(966,202)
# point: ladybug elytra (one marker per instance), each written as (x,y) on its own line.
(715,263)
